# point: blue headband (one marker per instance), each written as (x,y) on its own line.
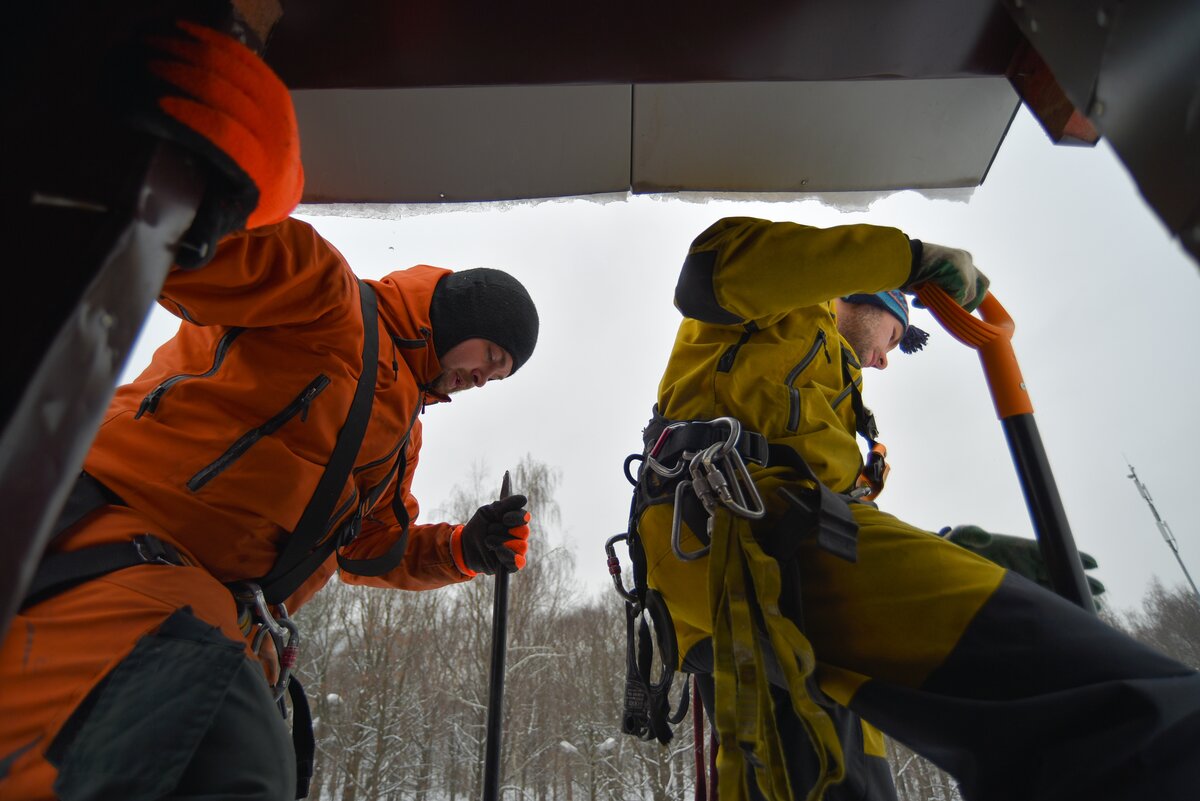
(894,301)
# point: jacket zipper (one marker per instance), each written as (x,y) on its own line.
(725,364)
(299,406)
(793,392)
(150,402)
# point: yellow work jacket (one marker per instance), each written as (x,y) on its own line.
(759,341)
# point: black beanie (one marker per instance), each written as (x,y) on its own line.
(484,303)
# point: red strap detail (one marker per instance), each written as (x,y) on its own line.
(287,660)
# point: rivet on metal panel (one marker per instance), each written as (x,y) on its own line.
(58,201)
(201,250)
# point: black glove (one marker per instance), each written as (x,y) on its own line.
(1017,554)
(496,536)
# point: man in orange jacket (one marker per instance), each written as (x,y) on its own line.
(271,442)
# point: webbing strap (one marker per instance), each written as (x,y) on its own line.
(819,506)
(754,647)
(60,571)
(695,436)
(864,419)
(299,559)
(303,741)
(378,565)
(87,495)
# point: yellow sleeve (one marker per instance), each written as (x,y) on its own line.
(744,269)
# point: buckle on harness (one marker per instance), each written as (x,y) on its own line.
(719,477)
(870,481)
(283,631)
(153,551)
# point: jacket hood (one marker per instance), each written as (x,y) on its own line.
(404,300)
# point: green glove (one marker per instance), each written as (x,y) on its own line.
(1017,554)
(954,271)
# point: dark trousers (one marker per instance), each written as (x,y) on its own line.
(185,715)
(1014,691)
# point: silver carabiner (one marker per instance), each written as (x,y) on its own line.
(740,488)
(284,633)
(677,527)
(735,433)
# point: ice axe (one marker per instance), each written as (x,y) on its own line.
(491,759)
(992,337)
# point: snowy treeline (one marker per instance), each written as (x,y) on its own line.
(398,686)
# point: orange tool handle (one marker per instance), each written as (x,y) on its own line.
(992,337)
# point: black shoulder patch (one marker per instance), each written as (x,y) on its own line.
(694,294)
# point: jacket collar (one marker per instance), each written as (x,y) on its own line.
(404,300)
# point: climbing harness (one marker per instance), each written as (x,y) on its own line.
(703,467)
(875,471)
(647,711)
(258,621)
(718,476)
(873,475)
(699,466)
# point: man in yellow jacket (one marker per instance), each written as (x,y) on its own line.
(756,534)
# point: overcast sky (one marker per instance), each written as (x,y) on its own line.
(1105,306)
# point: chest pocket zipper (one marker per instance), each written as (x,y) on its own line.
(150,402)
(793,393)
(299,406)
(725,363)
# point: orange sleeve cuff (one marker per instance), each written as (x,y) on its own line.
(457,552)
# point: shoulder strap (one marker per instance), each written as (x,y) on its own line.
(296,561)
(864,420)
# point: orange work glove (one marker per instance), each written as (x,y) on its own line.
(496,536)
(207,91)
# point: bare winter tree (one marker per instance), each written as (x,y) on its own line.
(1169,620)
(918,779)
(398,681)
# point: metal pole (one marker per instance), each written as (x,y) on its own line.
(1046,510)
(491,761)
(1163,528)
(991,336)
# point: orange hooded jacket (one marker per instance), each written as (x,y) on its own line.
(223,438)
(217,447)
